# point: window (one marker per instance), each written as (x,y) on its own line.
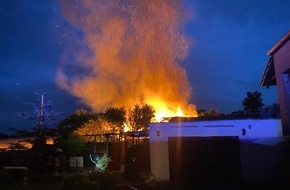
(286,80)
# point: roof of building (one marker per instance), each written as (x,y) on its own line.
(280,43)
(217,118)
(269,78)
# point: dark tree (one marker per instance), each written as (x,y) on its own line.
(271,111)
(201,112)
(237,113)
(2,135)
(140,117)
(75,121)
(71,123)
(116,117)
(74,144)
(211,112)
(39,134)
(253,103)
(43,113)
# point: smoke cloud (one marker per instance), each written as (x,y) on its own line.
(131,54)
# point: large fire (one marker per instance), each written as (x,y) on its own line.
(164,111)
(127,53)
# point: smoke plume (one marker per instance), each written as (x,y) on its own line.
(131,54)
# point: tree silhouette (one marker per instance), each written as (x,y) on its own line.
(140,117)
(75,121)
(253,103)
(271,111)
(116,116)
(42,112)
(41,131)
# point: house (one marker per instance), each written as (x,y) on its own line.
(277,73)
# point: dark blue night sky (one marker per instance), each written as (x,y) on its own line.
(227,58)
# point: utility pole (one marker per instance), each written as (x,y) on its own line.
(40,117)
(40,110)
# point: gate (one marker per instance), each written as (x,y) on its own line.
(204,160)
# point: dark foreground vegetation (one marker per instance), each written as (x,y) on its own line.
(92,180)
(70,181)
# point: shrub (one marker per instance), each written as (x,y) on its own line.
(75,144)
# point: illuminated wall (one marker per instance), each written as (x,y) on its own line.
(247,130)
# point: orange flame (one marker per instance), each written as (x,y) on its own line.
(167,109)
(130,57)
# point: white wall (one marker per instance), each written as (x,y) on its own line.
(255,130)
